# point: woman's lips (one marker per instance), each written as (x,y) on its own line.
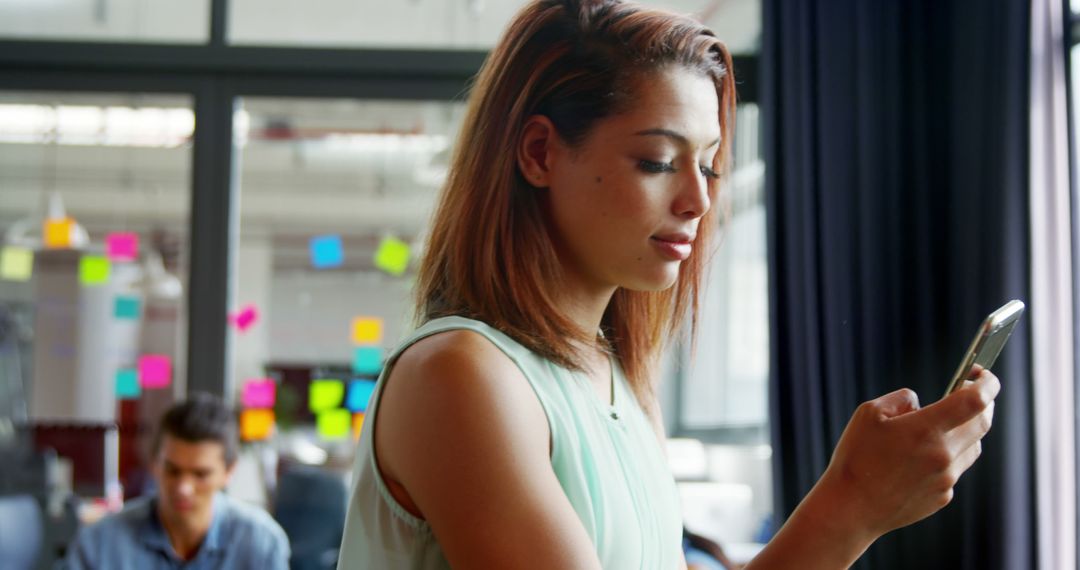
(675,248)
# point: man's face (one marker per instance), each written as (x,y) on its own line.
(188,475)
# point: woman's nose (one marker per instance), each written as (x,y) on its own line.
(693,199)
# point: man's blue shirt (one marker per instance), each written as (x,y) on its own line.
(240,537)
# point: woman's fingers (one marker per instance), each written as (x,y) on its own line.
(897,403)
(975,429)
(960,407)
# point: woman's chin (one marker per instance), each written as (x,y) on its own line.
(654,283)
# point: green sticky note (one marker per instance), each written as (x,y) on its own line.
(16,263)
(334,424)
(94,269)
(325,395)
(125,307)
(392,256)
(127,384)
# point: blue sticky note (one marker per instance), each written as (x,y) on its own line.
(125,307)
(327,251)
(367,360)
(127,384)
(360,392)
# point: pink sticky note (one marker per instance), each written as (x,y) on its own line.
(155,371)
(244,318)
(122,246)
(259,393)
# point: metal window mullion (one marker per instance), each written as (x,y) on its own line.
(219,18)
(212,235)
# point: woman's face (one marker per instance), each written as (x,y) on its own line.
(625,204)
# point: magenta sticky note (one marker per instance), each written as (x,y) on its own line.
(245,318)
(155,371)
(259,393)
(122,246)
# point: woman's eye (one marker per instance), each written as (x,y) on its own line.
(709,172)
(655,167)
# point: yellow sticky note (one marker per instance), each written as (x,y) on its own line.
(256,424)
(94,269)
(16,263)
(325,394)
(367,330)
(392,256)
(334,424)
(57,232)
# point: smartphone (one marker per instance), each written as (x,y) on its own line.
(989,341)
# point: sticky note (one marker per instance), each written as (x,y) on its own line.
(256,424)
(357,425)
(367,330)
(334,424)
(155,371)
(325,394)
(259,393)
(58,232)
(127,384)
(359,395)
(126,307)
(245,318)
(122,246)
(16,263)
(367,360)
(392,256)
(94,270)
(327,251)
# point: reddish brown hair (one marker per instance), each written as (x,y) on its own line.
(489,255)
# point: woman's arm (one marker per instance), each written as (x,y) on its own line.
(460,429)
(895,464)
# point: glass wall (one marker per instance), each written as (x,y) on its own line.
(93,272)
(334,198)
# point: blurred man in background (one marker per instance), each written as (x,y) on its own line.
(188,522)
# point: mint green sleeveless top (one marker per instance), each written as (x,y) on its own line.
(607,459)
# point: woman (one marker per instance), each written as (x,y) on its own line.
(518,426)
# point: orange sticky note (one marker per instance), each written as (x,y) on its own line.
(58,232)
(367,330)
(256,424)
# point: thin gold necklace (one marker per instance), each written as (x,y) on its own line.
(605,347)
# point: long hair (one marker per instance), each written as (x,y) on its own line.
(489,255)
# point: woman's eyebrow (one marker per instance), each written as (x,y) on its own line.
(678,137)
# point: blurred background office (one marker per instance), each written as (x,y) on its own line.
(231,195)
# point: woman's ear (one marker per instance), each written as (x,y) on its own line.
(534,150)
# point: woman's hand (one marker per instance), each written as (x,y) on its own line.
(897,464)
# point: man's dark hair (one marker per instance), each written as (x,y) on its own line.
(202,417)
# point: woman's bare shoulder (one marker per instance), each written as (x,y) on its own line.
(446,385)
(456,358)
(459,428)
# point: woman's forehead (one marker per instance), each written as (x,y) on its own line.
(674,100)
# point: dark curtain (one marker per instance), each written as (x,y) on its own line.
(896,148)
